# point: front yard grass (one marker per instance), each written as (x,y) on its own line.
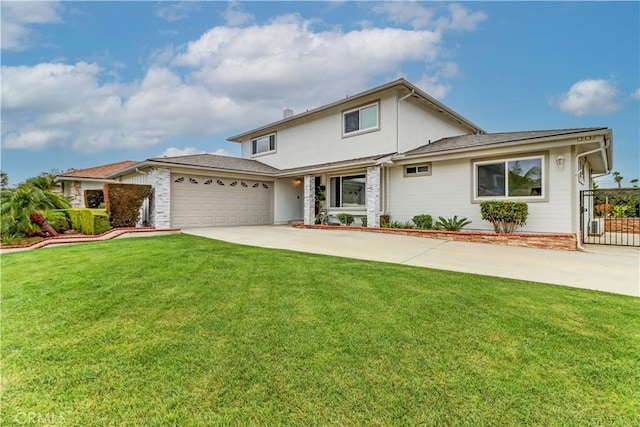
(182,330)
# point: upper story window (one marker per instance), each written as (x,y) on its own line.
(520,178)
(263,145)
(362,119)
(417,170)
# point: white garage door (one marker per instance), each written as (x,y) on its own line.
(204,201)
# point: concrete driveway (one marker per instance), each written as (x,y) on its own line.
(605,268)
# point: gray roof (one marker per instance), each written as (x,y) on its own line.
(212,161)
(330,165)
(480,140)
(409,87)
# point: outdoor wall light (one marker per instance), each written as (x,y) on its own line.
(560,161)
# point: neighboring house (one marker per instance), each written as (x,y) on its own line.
(75,183)
(391,150)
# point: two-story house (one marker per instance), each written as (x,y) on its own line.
(391,150)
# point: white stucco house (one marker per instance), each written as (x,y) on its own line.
(391,150)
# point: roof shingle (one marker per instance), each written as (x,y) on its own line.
(98,172)
(214,161)
(480,140)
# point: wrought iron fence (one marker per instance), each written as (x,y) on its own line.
(610,216)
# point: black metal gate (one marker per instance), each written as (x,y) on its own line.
(610,216)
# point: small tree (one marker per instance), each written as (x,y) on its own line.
(634,182)
(505,216)
(4,179)
(25,207)
(618,178)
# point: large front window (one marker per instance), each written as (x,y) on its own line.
(264,144)
(348,191)
(510,178)
(360,119)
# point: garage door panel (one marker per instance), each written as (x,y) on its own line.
(199,201)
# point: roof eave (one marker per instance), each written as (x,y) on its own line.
(80,178)
(546,139)
(150,163)
(400,82)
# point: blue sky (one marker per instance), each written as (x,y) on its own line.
(90,83)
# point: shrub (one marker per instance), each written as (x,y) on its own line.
(621,211)
(384,220)
(322,218)
(89,221)
(123,202)
(451,224)
(397,224)
(363,221)
(345,218)
(423,222)
(505,216)
(58,220)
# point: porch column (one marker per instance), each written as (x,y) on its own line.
(373,196)
(309,214)
(160,200)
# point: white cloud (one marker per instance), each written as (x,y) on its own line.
(34,139)
(18,18)
(636,94)
(176,11)
(412,13)
(590,96)
(462,19)
(277,61)
(433,86)
(189,151)
(421,17)
(235,15)
(229,79)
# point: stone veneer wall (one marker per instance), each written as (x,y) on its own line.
(566,242)
(160,180)
(309,214)
(373,196)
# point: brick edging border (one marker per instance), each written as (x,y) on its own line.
(107,235)
(567,242)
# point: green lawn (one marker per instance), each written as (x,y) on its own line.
(181,330)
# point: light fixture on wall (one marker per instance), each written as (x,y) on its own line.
(297,182)
(560,161)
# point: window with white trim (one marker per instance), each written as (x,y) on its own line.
(417,170)
(362,119)
(347,191)
(264,144)
(520,178)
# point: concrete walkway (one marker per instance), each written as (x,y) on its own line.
(605,268)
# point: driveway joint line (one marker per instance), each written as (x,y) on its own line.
(444,242)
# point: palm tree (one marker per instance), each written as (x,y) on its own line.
(618,179)
(23,208)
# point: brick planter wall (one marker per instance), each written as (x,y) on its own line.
(565,242)
(622,225)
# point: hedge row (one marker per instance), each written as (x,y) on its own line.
(123,202)
(89,221)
